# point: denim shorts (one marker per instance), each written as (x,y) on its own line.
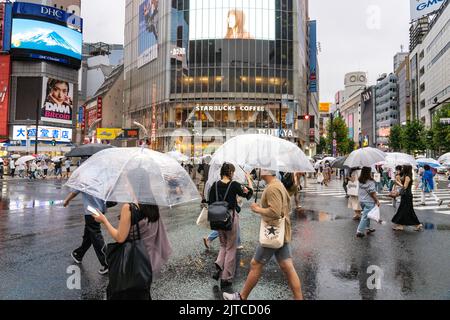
(263,255)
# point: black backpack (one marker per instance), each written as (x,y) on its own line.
(220,216)
(288,180)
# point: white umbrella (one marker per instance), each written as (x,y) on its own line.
(365,157)
(323,161)
(57,159)
(445,158)
(178,156)
(428,161)
(15,156)
(25,159)
(400,159)
(134,175)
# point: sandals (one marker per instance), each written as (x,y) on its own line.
(419,228)
(398,229)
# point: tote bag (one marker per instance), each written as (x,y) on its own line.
(320,177)
(353,188)
(202,220)
(271,234)
(129,264)
(374,214)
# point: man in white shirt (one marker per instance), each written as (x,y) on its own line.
(12,167)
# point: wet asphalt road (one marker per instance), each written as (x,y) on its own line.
(37,235)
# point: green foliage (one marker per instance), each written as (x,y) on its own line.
(395,138)
(322,148)
(414,137)
(344,143)
(440,133)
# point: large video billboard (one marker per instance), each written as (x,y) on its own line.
(148,32)
(58,101)
(232,19)
(420,8)
(46,37)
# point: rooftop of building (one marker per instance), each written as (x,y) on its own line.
(108,83)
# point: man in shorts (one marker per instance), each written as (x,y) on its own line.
(275,203)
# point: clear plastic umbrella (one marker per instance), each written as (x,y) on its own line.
(366,157)
(178,156)
(263,152)
(428,161)
(25,159)
(445,158)
(57,159)
(134,175)
(400,159)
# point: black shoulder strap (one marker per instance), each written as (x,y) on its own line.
(226,193)
(135,221)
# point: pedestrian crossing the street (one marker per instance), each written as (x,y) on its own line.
(337,191)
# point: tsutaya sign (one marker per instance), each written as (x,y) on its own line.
(277,133)
(230,108)
(420,8)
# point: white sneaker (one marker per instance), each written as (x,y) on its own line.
(232,296)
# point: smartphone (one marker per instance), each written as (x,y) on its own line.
(93,211)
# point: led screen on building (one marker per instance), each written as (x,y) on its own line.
(148,31)
(46,37)
(232,19)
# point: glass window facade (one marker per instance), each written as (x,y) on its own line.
(224,63)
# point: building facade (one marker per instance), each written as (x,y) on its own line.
(386,106)
(194,68)
(368,117)
(403,75)
(43,95)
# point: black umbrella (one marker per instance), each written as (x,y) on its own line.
(339,163)
(87,150)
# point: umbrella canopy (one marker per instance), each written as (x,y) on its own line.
(263,152)
(1,160)
(25,159)
(87,150)
(428,161)
(339,163)
(15,156)
(445,158)
(134,175)
(57,159)
(178,156)
(399,159)
(366,157)
(323,161)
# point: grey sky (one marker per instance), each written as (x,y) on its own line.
(355,35)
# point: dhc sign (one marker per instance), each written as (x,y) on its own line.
(420,8)
(52,12)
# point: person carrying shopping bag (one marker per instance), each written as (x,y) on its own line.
(368,200)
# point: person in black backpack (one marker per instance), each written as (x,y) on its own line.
(228,190)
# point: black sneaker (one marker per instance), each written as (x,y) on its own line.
(225,284)
(76,257)
(104,270)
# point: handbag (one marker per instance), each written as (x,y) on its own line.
(353,188)
(377,177)
(220,216)
(320,178)
(202,220)
(271,234)
(129,263)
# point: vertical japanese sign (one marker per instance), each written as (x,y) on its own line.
(154,114)
(5,70)
(99,108)
(313,56)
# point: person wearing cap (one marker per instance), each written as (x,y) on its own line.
(275,203)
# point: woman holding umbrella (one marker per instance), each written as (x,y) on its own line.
(143,219)
(406,215)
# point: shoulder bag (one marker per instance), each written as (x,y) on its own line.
(271,234)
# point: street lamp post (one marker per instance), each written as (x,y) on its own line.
(37,128)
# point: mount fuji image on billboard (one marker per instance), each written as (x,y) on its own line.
(47,37)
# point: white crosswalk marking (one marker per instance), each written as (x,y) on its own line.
(336,191)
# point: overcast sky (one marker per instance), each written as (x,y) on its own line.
(355,35)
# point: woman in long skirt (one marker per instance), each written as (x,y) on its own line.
(406,215)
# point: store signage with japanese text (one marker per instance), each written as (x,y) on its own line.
(22,133)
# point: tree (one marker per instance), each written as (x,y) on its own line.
(395,138)
(339,127)
(414,137)
(440,133)
(322,148)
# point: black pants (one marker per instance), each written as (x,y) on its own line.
(92,237)
(12,172)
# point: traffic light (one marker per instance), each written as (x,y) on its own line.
(53,143)
(304,117)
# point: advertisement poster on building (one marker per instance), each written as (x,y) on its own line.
(58,101)
(148,32)
(421,8)
(4,95)
(313,56)
(232,19)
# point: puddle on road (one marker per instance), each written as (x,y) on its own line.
(6,204)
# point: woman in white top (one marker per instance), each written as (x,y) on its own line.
(353,201)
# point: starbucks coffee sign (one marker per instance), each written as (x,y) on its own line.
(230,108)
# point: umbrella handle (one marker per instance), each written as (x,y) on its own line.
(257,187)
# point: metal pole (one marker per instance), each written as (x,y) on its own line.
(37,127)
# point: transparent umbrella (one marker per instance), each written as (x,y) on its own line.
(178,156)
(25,159)
(134,175)
(366,157)
(445,158)
(400,159)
